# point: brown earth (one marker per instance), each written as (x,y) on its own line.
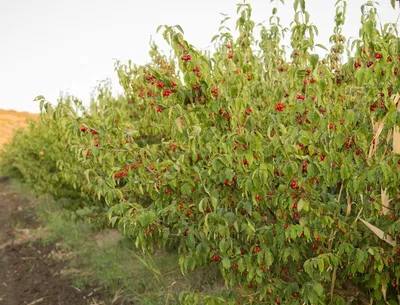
(30,273)
(10,121)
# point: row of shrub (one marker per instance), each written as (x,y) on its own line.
(281,170)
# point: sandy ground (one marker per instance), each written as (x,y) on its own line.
(10,121)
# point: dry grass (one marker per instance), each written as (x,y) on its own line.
(10,121)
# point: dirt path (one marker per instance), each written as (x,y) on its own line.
(29,275)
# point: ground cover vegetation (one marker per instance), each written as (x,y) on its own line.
(279,170)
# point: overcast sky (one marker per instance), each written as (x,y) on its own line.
(49,46)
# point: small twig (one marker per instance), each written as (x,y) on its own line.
(76,288)
(331,236)
(333,282)
(36,301)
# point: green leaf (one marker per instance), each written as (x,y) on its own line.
(228,174)
(234,91)
(159,27)
(281,188)
(350,116)
(314,60)
(321,266)
(360,76)
(214,37)
(319,289)
(302,204)
(179,28)
(345,171)
(226,263)
(186,189)
(340,139)
(178,125)
(321,46)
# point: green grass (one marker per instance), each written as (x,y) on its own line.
(117,266)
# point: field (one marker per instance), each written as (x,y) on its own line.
(249,175)
(12,120)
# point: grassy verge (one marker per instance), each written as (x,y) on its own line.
(108,260)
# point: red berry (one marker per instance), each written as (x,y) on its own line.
(166,93)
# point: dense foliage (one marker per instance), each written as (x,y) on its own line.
(280,169)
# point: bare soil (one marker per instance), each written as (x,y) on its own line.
(29,272)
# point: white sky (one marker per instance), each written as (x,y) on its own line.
(49,46)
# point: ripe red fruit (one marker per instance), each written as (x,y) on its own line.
(279,107)
(245,162)
(159,109)
(304,166)
(83,129)
(166,93)
(230,55)
(188,213)
(331,126)
(378,55)
(249,110)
